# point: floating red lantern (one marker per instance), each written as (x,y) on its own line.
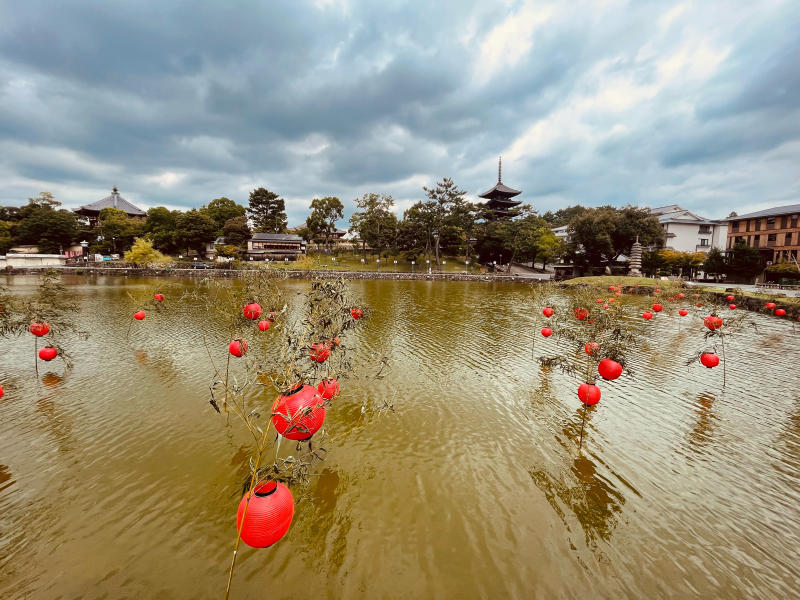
(780,312)
(2,391)
(681,295)
(589,394)
(658,307)
(683,312)
(319,352)
(712,322)
(299,413)
(547,312)
(581,314)
(591,348)
(267,515)
(658,290)
(159,297)
(605,306)
(609,369)
(39,329)
(263,325)
(138,315)
(709,359)
(252,310)
(611,288)
(599,300)
(670,299)
(356,313)
(731,298)
(770,305)
(699,304)
(238,347)
(647,315)
(732,306)
(547,332)
(328,388)
(48,353)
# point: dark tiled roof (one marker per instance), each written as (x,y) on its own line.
(500,189)
(770,212)
(276,237)
(113,201)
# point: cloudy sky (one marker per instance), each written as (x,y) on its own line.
(177,103)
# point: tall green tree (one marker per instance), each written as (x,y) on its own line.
(160,227)
(42,223)
(444,196)
(715,263)
(118,230)
(374,222)
(267,211)
(236,231)
(563,216)
(321,222)
(744,262)
(223,209)
(194,230)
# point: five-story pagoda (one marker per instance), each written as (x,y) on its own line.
(499,199)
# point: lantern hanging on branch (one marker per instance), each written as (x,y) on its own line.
(299,413)
(267,512)
(709,359)
(252,311)
(609,369)
(589,394)
(238,347)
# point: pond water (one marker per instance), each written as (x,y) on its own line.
(119,480)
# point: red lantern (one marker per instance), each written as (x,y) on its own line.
(732,306)
(588,394)
(39,329)
(263,325)
(605,306)
(356,313)
(609,369)
(267,516)
(770,305)
(658,307)
(611,288)
(599,300)
(138,315)
(319,352)
(159,297)
(630,290)
(547,332)
(336,341)
(647,315)
(712,322)
(581,314)
(780,312)
(2,391)
(658,290)
(48,353)
(683,312)
(699,304)
(731,298)
(238,347)
(299,413)
(670,299)
(328,388)
(547,312)
(681,295)
(271,317)
(591,348)
(252,310)
(709,359)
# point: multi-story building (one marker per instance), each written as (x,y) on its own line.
(774,231)
(688,232)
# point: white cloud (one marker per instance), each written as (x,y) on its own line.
(167,179)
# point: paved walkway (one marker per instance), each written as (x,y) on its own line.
(748,288)
(523,271)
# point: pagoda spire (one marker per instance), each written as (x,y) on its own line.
(500,170)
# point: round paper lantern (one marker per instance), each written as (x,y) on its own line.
(138,315)
(681,295)
(159,297)
(547,332)
(299,413)
(731,298)
(699,304)
(263,325)
(319,352)
(581,314)
(609,369)
(48,353)
(709,359)
(238,347)
(39,329)
(605,306)
(591,348)
(356,313)
(268,514)
(732,306)
(780,312)
(2,391)
(252,310)
(770,305)
(547,312)
(611,288)
(712,322)
(647,315)
(271,317)
(588,394)
(328,388)
(658,307)
(683,312)
(599,300)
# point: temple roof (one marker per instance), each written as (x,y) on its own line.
(112,201)
(500,189)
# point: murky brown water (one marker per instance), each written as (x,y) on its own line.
(118,479)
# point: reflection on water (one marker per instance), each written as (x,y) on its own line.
(471,485)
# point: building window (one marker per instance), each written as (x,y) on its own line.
(705,229)
(772,237)
(770,220)
(784,221)
(704,242)
(758,224)
(748,224)
(787,239)
(735,226)
(756,239)
(738,239)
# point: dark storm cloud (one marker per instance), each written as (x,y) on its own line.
(178,103)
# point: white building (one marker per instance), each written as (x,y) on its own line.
(688,232)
